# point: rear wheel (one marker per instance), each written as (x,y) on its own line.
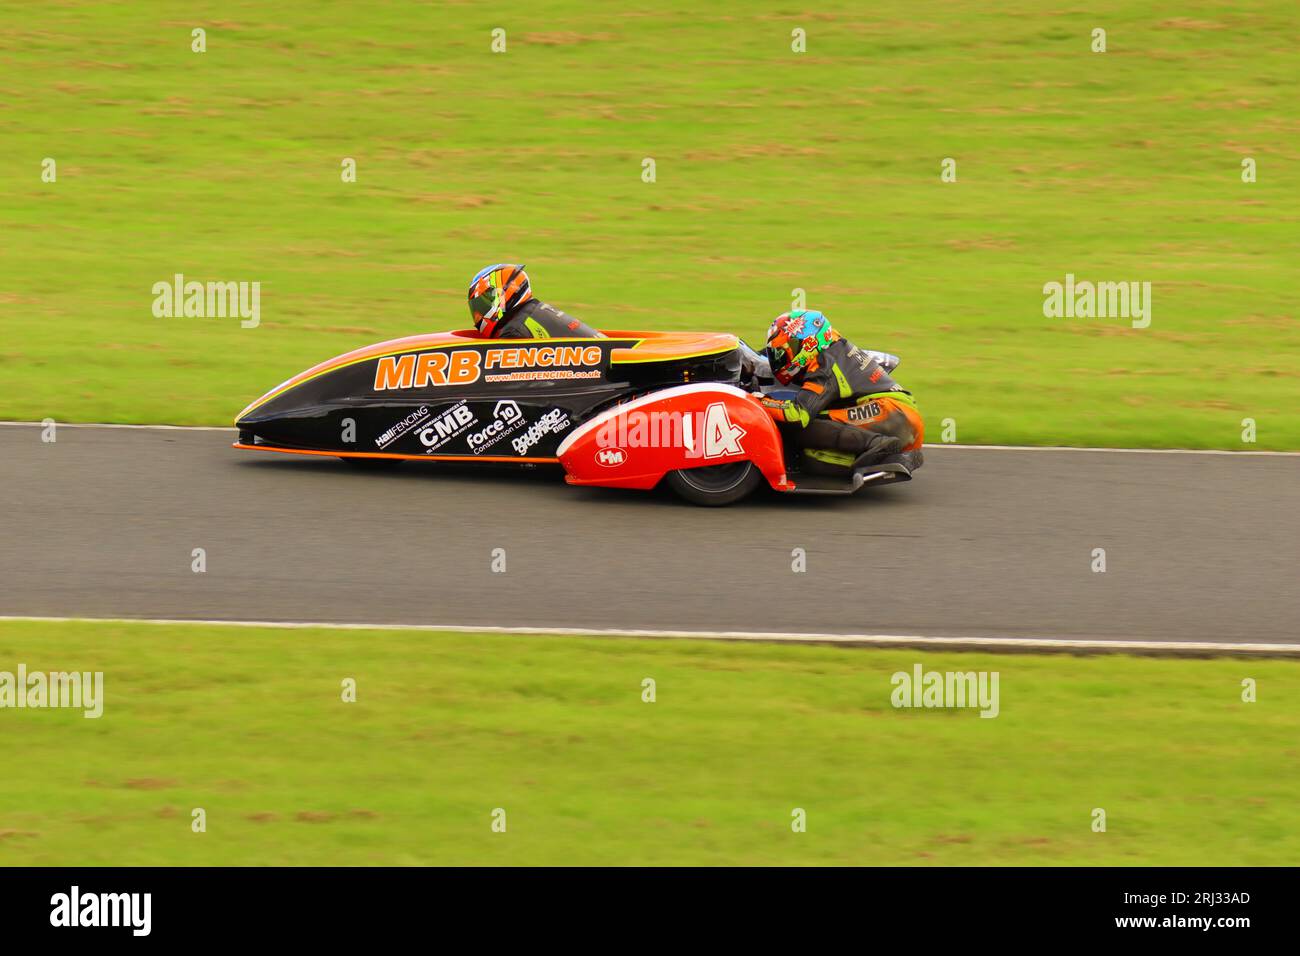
(715,485)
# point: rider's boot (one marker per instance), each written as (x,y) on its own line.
(879,448)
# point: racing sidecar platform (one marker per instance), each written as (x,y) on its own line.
(627,410)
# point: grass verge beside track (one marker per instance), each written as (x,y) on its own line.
(248,724)
(775,171)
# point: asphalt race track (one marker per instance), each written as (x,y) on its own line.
(985,543)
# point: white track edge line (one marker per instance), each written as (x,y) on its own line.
(1126,451)
(771,636)
(169,428)
(929,447)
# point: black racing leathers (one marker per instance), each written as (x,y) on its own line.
(846,405)
(537,320)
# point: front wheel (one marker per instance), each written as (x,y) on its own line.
(715,485)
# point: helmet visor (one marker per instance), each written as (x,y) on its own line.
(783,369)
(485,304)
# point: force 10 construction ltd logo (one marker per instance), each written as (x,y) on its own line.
(506,420)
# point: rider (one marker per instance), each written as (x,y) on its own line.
(502,305)
(848,412)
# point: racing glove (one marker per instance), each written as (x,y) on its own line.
(784,411)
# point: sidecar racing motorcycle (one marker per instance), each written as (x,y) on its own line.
(628,411)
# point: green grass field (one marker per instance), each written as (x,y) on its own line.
(249,725)
(774,171)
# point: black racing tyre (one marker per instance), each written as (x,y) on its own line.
(715,485)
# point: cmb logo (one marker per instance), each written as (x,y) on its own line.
(611,457)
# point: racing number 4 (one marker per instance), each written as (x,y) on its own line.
(721,437)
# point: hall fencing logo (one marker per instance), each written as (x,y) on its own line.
(77,690)
(943,689)
(1098,300)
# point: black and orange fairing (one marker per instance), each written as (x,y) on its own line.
(458,395)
